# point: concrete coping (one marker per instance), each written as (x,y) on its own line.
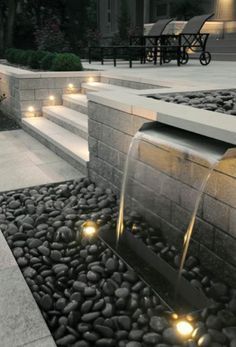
(22,73)
(207,123)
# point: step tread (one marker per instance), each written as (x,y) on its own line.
(67,114)
(104,86)
(80,99)
(74,144)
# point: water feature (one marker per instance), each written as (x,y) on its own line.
(167,173)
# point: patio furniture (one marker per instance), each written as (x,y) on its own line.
(143,47)
(189,40)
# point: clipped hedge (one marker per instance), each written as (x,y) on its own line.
(44,60)
(66,62)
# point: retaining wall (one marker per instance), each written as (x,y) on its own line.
(25,89)
(214,236)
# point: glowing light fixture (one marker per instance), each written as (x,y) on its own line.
(224,9)
(91,79)
(184,328)
(52,97)
(89,229)
(70,85)
(31,109)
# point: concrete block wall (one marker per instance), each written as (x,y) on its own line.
(165,189)
(34,90)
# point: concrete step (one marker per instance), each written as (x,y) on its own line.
(99,86)
(77,102)
(67,145)
(74,121)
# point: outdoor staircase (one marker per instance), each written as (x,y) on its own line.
(64,128)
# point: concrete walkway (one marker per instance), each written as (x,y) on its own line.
(217,74)
(25,162)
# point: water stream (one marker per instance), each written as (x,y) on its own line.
(128,163)
(211,157)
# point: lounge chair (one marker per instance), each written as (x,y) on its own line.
(143,46)
(189,40)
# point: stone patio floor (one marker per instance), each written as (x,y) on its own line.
(25,162)
(217,74)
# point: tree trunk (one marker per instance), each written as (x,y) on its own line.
(11,15)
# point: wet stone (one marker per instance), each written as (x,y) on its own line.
(103,330)
(171,336)
(124,322)
(44,250)
(136,335)
(158,324)
(205,340)
(152,338)
(86,306)
(230,332)
(55,255)
(122,293)
(29,272)
(89,317)
(18,252)
(22,261)
(133,344)
(71,307)
(46,302)
(66,340)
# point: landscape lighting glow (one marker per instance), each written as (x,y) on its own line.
(31,109)
(184,328)
(91,79)
(70,85)
(52,97)
(89,229)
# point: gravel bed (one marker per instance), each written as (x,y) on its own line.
(218,101)
(7,123)
(87,295)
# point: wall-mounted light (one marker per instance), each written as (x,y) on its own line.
(70,85)
(51,97)
(31,109)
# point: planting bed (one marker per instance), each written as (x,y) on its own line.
(7,124)
(223,101)
(87,295)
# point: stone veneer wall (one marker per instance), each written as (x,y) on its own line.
(23,92)
(214,237)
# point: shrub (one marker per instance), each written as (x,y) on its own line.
(44,60)
(11,55)
(35,58)
(67,62)
(23,57)
(47,61)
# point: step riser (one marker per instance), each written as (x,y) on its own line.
(80,165)
(75,130)
(75,107)
(88,90)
